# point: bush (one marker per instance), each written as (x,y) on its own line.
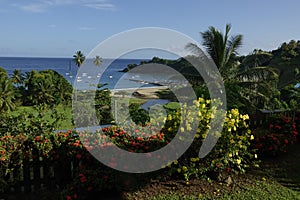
(276,135)
(232,152)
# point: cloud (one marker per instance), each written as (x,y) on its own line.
(39,6)
(86,28)
(36,8)
(52,26)
(101,6)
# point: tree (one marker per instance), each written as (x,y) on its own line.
(17,77)
(78,58)
(253,85)
(98,61)
(6,92)
(221,48)
(47,87)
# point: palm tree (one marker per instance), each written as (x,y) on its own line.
(78,57)
(6,93)
(98,61)
(221,48)
(17,77)
(254,83)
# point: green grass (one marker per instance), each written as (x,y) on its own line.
(260,190)
(66,111)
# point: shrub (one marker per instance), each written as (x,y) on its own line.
(275,135)
(232,152)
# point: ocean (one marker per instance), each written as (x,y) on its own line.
(68,69)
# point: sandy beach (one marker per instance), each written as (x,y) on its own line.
(145,92)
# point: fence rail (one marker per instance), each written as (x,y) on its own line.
(36,174)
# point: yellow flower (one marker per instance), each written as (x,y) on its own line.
(175,162)
(184,168)
(178,170)
(194,159)
(235,112)
(170,129)
(197,135)
(255,156)
(182,129)
(230,155)
(188,127)
(251,137)
(238,161)
(245,117)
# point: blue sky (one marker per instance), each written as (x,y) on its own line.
(58,28)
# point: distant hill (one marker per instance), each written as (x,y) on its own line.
(286,59)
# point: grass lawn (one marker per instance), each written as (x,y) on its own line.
(66,111)
(277,178)
(64,124)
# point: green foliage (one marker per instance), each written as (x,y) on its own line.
(138,114)
(78,58)
(291,96)
(231,153)
(103,106)
(42,121)
(47,87)
(6,93)
(221,48)
(275,136)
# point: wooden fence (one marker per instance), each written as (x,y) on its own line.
(36,174)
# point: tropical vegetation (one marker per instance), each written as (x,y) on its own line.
(262,122)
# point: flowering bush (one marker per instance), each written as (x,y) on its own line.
(230,154)
(275,136)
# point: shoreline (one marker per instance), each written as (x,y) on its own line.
(142,92)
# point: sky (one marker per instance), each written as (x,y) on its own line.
(59,28)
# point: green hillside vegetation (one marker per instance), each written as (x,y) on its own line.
(267,78)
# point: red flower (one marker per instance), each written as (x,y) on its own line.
(82,178)
(278,127)
(89,188)
(105,177)
(228,169)
(69,198)
(38,138)
(75,196)
(286,141)
(78,156)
